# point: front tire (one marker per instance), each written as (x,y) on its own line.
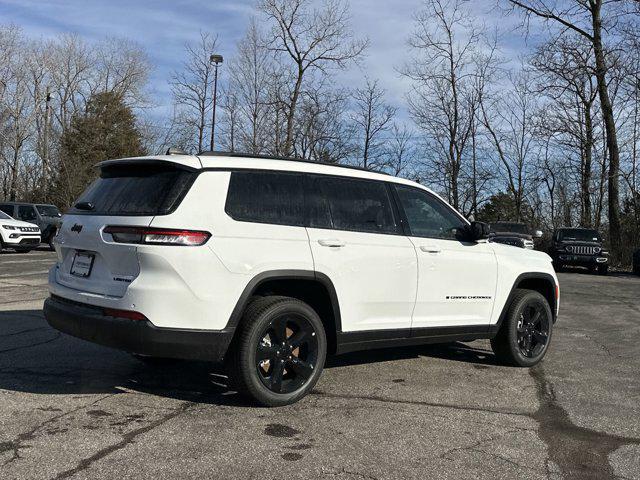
(603,269)
(280,351)
(525,334)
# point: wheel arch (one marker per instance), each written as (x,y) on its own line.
(542,283)
(314,288)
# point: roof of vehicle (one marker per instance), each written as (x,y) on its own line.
(225,160)
(28,203)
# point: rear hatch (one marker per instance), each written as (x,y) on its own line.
(127,193)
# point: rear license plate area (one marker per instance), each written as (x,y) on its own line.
(82,264)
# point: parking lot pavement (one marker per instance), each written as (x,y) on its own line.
(70,409)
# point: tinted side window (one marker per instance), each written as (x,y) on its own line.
(8,209)
(279,198)
(359,205)
(428,216)
(27,213)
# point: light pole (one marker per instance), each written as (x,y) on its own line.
(216,60)
(45,140)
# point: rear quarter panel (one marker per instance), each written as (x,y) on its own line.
(237,251)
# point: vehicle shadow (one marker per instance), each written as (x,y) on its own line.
(35,358)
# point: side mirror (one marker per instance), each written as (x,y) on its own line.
(476,231)
(537,234)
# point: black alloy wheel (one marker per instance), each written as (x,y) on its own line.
(533,330)
(278,353)
(287,353)
(525,333)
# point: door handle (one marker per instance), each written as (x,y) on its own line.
(430,249)
(331,242)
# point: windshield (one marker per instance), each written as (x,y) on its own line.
(48,210)
(509,227)
(579,234)
(4,216)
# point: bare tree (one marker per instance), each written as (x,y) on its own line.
(567,78)
(322,133)
(511,124)
(372,116)
(251,72)
(448,59)
(590,19)
(192,85)
(311,39)
(400,151)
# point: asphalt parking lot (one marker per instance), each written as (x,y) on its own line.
(70,409)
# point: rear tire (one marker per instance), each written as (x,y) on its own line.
(279,352)
(525,334)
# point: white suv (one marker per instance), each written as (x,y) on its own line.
(271,264)
(19,235)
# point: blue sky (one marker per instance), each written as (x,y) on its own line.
(162,27)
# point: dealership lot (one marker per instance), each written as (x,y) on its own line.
(70,409)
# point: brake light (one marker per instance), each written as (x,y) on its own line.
(157,236)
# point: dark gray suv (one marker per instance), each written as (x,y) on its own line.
(46,216)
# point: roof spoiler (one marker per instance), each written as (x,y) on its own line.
(144,162)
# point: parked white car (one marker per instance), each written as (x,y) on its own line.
(18,235)
(271,264)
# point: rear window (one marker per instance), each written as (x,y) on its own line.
(506,227)
(359,205)
(278,198)
(48,210)
(137,190)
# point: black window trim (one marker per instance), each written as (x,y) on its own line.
(394,208)
(405,220)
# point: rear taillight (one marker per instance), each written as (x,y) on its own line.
(157,236)
(128,314)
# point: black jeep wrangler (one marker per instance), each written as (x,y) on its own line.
(579,247)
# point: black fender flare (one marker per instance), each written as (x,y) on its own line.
(493,329)
(270,275)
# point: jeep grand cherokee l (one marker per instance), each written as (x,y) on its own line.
(268,265)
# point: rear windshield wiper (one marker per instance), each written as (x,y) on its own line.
(84,206)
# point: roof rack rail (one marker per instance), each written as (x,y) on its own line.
(218,153)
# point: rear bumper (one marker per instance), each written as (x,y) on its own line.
(142,337)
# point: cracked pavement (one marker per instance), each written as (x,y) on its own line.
(70,409)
